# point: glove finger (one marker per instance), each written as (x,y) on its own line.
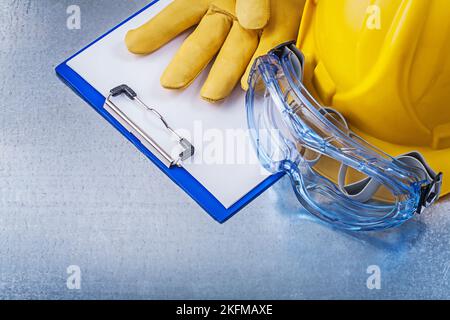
(197,51)
(230,64)
(253,14)
(283,27)
(177,17)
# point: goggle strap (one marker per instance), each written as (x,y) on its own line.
(361,191)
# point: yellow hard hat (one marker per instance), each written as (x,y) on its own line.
(385,65)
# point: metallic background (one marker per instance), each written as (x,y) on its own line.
(74,192)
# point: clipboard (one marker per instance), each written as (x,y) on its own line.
(179,175)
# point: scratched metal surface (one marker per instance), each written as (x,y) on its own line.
(74,192)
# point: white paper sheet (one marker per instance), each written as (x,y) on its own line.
(213,129)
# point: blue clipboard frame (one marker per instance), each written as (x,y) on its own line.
(178,175)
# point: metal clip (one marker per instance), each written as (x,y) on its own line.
(430,193)
(146,140)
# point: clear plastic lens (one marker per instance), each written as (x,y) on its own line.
(336,175)
(273,137)
(323,181)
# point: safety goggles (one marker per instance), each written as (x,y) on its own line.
(336,175)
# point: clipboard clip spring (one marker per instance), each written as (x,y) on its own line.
(165,157)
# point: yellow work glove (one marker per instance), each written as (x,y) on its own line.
(220,30)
